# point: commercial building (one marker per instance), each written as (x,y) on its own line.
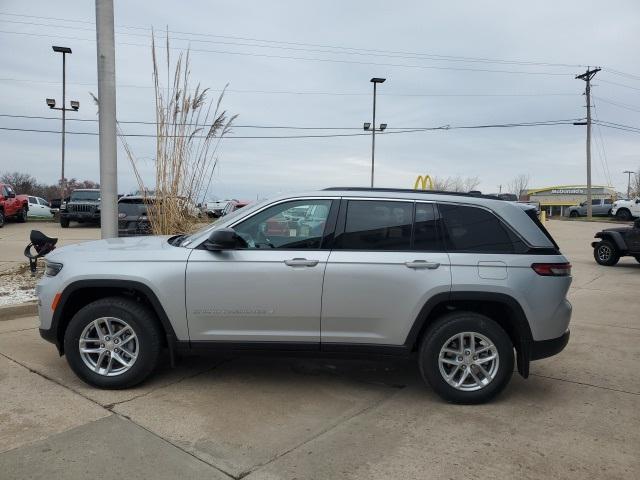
(555,199)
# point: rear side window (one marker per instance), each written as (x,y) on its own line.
(425,231)
(473,229)
(376,225)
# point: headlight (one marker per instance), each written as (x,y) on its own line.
(51,269)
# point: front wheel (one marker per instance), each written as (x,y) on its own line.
(466,358)
(573,214)
(623,214)
(64,222)
(605,253)
(113,343)
(1,219)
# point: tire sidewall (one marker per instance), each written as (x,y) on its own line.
(623,214)
(144,326)
(613,259)
(441,332)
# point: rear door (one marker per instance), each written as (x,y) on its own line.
(387,260)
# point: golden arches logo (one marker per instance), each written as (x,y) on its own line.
(422,182)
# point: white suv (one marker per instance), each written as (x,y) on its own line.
(460,282)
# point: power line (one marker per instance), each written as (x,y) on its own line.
(406,130)
(622,74)
(620,84)
(279,42)
(621,105)
(603,157)
(296,92)
(289,57)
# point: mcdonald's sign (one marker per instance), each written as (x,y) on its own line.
(421,183)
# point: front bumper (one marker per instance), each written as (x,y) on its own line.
(81,216)
(548,348)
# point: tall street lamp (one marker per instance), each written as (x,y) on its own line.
(75,106)
(368,126)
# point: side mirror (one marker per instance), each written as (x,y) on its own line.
(222,239)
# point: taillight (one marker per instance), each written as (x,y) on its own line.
(552,269)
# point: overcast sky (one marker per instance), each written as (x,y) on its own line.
(420,91)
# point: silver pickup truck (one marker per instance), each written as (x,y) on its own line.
(600,207)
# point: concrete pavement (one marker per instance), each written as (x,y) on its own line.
(577,416)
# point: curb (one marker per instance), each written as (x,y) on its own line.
(10,312)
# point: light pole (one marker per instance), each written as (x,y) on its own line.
(368,126)
(75,105)
(629,173)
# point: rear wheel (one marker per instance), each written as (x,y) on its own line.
(113,343)
(64,222)
(466,358)
(605,253)
(22,216)
(623,214)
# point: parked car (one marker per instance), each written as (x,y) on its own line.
(83,207)
(626,209)
(12,206)
(216,209)
(600,207)
(617,242)
(232,206)
(132,216)
(453,280)
(38,207)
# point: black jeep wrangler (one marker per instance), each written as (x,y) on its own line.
(616,243)
(83,206)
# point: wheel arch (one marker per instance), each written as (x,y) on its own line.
(615,238)
(82,292)
(500,307)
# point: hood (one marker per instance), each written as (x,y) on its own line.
(130,249)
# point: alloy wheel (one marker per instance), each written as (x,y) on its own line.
(604,253)
(109,346)
(468,361)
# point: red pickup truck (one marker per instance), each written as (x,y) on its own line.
(12,206)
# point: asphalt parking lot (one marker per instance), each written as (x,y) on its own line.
(577,416)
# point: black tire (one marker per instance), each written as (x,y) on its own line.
(145,326)
(1,219)
(623,214)
(573,214)
(605,253)
(638,258)
(441,332)
(64,222)
(22,216)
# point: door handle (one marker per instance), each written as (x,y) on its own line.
(301,262)
(422,264)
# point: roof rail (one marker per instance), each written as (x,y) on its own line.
(409,190)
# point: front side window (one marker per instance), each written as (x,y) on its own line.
(473,229)
(376,225)
(298,224)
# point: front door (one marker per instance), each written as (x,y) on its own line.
(270,288)
(383,268)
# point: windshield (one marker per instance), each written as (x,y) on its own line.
(131,209)
(92,196)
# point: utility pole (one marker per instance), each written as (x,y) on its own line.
(75,105)
(107,117)
(629,173)
(373,128)
(587,76)
(500,187)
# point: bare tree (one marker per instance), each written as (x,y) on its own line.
(455,184)
(518,184)
(23,183)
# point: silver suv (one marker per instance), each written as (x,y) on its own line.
(463,283)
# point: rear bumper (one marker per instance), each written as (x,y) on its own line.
(548,348)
